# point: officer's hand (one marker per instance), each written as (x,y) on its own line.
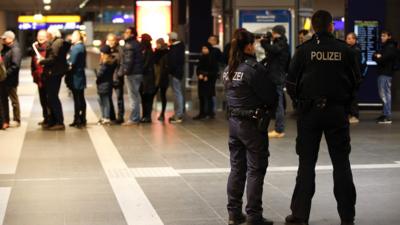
(205,78)
(201,77)
(378,56)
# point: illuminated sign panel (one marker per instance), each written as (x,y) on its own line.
(43,22)
(154,18)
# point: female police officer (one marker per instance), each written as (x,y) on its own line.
(250,95)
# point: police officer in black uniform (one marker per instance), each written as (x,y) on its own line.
(323,76)
(250,95)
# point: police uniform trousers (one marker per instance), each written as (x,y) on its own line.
(249,160)
(332,121)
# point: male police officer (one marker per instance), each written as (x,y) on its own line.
(323,76)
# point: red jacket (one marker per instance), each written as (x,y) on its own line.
(36,68)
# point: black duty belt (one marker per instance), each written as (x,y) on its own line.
(321,102)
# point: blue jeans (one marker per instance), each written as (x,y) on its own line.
(178,103)
(385,93)
(133,83)
(105,105)
(280,111)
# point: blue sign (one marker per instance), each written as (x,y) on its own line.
(261,21)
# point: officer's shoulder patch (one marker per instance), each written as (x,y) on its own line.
(251,63)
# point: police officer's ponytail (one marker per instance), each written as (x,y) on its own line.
(241,38)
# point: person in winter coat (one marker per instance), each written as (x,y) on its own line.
(161,74)
(176,61)
(118,84)
(148,88)
(37,72)
(3,93)
(104,82)
(55,66)
(12,56)
(207,71)
(132,68)
(77,62)
(277,60)
(386,59)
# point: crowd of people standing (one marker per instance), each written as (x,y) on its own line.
(145,72)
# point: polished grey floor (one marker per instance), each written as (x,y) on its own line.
(60,180)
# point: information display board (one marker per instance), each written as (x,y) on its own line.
(262,21)
(368,38)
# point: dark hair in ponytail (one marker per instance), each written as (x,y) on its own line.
(241,38)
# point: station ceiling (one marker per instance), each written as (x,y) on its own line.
(61,6)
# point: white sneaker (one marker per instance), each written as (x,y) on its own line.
(354,119)
(274,134)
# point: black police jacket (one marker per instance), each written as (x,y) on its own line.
(132,58)
(386,63)
(251,86)
(324,67)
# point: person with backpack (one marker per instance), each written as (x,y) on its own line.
(277,61)
(104,82)
(386,60)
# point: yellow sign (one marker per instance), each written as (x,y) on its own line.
(50,19)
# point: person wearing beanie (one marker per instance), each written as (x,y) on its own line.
(104,82)
(277,61)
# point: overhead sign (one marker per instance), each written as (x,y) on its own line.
(67,22)
(50,19)
(262,21)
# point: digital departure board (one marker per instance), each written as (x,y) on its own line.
(368,38)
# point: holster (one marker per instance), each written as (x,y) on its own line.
(262,117)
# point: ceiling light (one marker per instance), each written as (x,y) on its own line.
(47,7)
(38,17)
(47,2)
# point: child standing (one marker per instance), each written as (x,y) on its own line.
(104,82)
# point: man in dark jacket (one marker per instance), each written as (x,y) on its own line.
(351,40)
(12,56)
(386,59)
(277,60)
(118,84)
(55,67)
(176,61)
(132,67)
